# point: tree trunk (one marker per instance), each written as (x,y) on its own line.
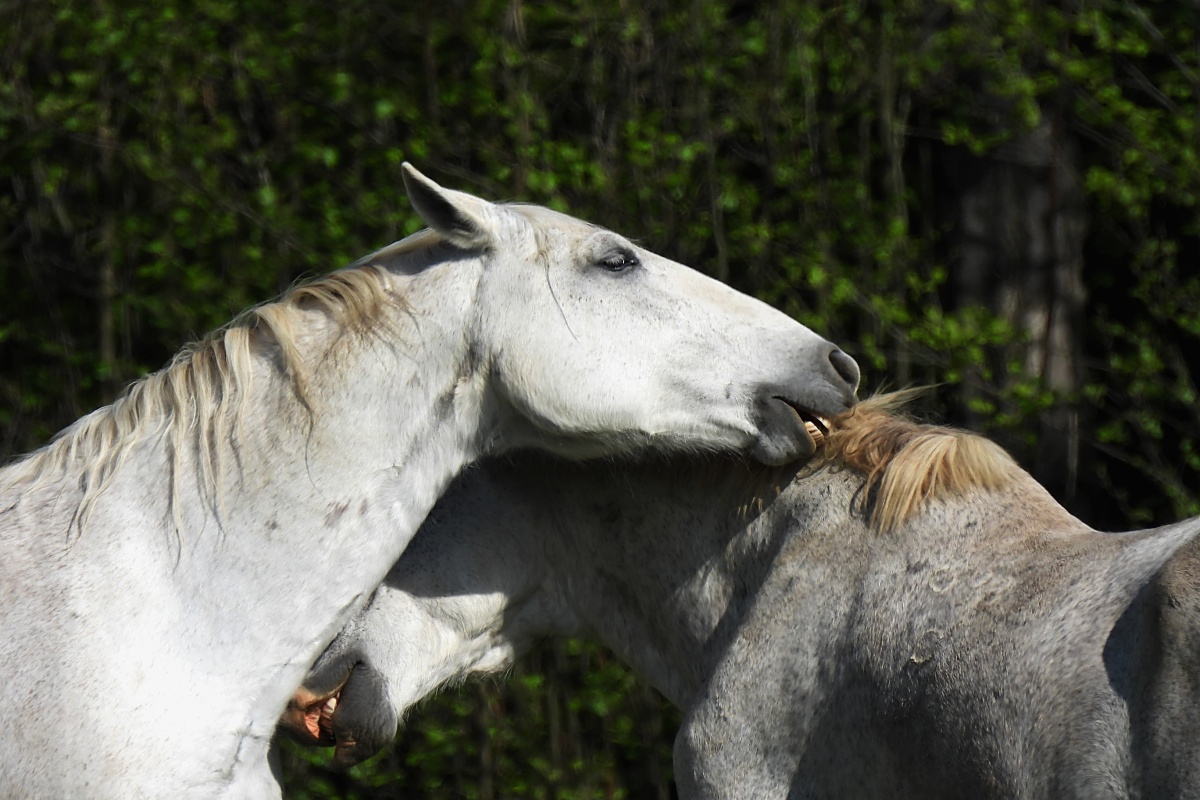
(1021,228)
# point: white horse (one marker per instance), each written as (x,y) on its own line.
(172,565)
(911,616)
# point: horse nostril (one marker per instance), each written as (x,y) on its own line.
(845,366)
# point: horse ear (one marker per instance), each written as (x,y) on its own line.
(464,220)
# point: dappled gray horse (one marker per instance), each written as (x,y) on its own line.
(172,565)
(910,616)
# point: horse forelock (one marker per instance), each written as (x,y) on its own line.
(908,464)
(199,397)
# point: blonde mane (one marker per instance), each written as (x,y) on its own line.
(200,396)
(907,464)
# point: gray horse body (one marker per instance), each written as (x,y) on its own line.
(996,650)
(992,646)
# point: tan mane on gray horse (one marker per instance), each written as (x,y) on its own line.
(908,464)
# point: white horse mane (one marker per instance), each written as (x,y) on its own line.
(200,395)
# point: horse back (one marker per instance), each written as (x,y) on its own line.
(1041,671)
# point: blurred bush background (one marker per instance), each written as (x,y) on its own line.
(998,197)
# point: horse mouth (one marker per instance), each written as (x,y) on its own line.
(816,426)
(319,719)
(310,719)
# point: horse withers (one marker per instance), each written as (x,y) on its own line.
(908,616)
(172,565)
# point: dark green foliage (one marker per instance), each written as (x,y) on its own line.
(163,165)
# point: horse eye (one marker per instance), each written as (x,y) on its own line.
(619,261)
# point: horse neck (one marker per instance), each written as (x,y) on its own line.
(237,594)
(658,559)
(406,413)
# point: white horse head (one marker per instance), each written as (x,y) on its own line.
(593,344)
(157,560)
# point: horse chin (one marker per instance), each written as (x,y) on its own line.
(787,433)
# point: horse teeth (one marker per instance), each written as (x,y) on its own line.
(817,436)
